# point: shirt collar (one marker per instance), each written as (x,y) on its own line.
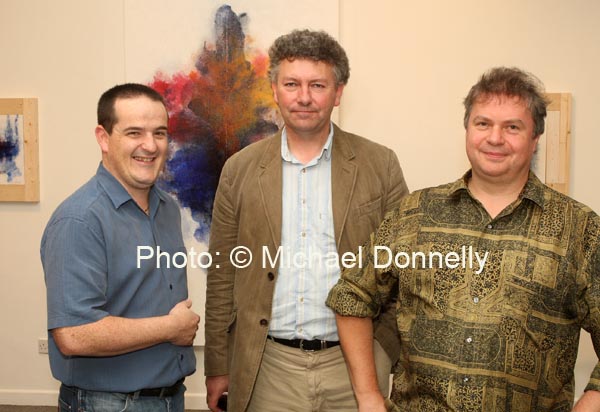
(289,157)
(117,193)
(533,190)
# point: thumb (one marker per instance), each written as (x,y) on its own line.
(188,303)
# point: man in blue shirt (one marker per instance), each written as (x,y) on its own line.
(120,328)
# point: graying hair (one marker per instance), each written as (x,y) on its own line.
(314,45)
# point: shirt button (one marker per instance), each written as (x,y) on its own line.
(469,340)
(171,287)
(465,379)
(475,299)
(181,357)
(264,322)
(489,226)
(303,234)
(303,170)
(301,299)
(271,276)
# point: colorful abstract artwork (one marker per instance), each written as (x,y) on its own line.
(220,106)
(11,149)
(211,67)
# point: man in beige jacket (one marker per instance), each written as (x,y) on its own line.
(289,211)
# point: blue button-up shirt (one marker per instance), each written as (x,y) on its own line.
(89,254)
(308,262)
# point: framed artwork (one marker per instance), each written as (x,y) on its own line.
(19,167)
(551,163)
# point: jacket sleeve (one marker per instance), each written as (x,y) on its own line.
(397,187)
(385,329)
(220,311)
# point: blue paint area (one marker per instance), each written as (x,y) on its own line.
(193,175)
(9,149)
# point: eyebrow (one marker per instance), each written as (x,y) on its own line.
(138,128)
(517,120)
(297,79)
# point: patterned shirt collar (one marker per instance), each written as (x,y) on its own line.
(533,190)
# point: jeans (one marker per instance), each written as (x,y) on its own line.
(73,399)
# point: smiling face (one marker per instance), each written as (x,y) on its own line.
(306,92)
(500,140)
(136,150)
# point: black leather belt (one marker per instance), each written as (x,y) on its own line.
(160,392)
(167,391)
(306,345)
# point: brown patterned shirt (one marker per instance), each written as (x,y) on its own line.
(490,311)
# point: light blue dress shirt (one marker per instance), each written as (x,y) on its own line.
(309,264)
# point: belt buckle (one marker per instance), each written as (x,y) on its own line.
(302,347)
(323,346)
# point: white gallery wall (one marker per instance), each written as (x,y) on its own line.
(412,64)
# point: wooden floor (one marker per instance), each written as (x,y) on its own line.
(11,408)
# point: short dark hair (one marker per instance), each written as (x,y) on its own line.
(106,105)
(307,44)
(511,82)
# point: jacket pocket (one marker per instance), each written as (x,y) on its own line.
(369,207)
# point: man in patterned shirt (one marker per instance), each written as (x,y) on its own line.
(496,274)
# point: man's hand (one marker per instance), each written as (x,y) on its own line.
(215,387)
(185,323)
(589,402)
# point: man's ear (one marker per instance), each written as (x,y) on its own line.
(537,143)
(274,88)
(338,94)
(102,138)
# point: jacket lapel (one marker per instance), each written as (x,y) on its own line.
(270,187)
(343,180)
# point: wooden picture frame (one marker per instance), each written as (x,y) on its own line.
(552,163)
(19,164)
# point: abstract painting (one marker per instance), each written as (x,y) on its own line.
(214,111)
(11,149)
(19,168)
(212,69)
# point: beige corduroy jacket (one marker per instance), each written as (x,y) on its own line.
(366,182)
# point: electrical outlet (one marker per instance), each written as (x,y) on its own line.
(42,345)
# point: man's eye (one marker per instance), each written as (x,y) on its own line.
(319,86)
(289,84)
